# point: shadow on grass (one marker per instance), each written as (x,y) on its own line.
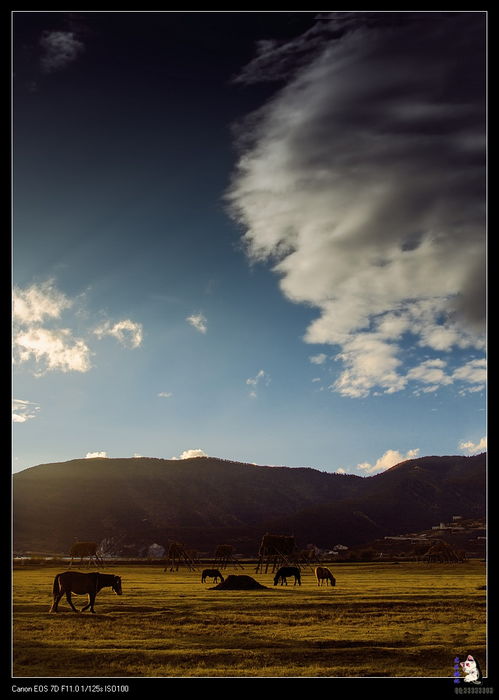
(358,660)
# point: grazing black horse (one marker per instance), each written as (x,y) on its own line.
(284,572)
(212,573)
(75,582)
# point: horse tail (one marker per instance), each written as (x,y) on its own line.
(57,585)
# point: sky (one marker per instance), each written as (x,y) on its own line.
(255,236)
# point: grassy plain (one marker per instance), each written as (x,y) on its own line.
(398,620)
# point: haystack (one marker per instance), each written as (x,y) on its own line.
(238,583)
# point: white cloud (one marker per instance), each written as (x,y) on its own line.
(38,303)
(341,471)
(60,48)
(473,374)
(198,321)
(189,454)
(37,337)
(165,394)
(472,448)
(127,332)
(93,455)
(430,372)
(261,377)
(362,181)
(389,459)
(23,411)
(370,362)
(318,359)
(52,350)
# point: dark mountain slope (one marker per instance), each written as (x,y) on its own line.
(157,499)
(412,495)
(207,501)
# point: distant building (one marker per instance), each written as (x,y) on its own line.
(155,551)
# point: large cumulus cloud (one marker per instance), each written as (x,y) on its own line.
(363,181)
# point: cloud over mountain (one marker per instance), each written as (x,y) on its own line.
(190,454)
(389,459)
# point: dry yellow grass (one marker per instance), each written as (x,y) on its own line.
(380,620)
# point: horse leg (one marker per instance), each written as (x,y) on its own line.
(90,604)
(55,604)
(92,601)
(68,597)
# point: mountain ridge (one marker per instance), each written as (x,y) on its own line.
(205,501)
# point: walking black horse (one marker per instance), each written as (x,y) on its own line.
(81,584)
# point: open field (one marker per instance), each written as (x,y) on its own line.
(380,620)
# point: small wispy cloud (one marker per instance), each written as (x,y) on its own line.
(473,448)
(126,332)
(198,321)
(60,48)
(165,394)
(318,359)
(189,454)
(23,411)
(261,377)
(389,459)
(94,455)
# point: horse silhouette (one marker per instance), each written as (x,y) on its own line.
(81,584)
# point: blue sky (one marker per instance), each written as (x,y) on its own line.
(257,236)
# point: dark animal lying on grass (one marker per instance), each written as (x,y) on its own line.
(238,583)
(324,574)
(76,582)
(211,573)
(286,572)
